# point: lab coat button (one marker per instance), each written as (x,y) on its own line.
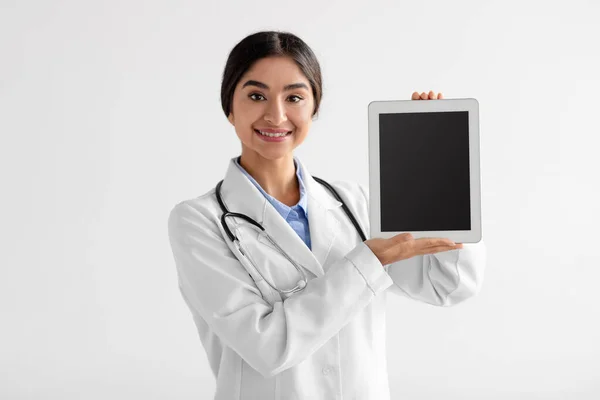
(326,371)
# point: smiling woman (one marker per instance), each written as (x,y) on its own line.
(288,294)
(271,89)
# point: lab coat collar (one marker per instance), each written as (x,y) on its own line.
(241,196)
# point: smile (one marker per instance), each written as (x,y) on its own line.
(272,134)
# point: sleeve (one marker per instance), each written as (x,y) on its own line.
(441,279)
(269,338)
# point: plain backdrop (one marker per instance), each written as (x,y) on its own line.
(110,114)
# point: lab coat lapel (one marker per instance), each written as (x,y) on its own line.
(240,195)
(323,224)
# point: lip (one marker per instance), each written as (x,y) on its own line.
(270,130)
(272,139)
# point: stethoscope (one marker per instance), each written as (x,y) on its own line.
(302,282)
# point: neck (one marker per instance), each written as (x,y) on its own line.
(277,177)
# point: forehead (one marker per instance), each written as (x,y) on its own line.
(275,72)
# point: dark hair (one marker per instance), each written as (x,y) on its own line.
(268,44)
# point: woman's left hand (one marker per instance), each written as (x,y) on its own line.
(425,96)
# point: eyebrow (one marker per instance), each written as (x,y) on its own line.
(264,86)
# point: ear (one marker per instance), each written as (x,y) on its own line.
(230,119)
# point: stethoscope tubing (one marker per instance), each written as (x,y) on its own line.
(301,283)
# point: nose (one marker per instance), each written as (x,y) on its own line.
(275,113)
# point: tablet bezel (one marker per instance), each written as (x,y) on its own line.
(411,106)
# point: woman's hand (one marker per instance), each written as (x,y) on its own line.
(425,96)
(403,246)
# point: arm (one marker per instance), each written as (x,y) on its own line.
(442,279)
(269,338)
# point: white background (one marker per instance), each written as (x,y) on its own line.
(110,114)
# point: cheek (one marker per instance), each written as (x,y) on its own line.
(305,124)
(245,118)
(301,120)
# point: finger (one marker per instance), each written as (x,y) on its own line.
(431,95)
(423,96)
(437,249)
(433,242)
(415,96)
(440,96)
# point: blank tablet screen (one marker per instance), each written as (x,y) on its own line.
(424,171)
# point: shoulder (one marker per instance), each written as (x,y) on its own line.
(351,191)
(355,196)
(201,211)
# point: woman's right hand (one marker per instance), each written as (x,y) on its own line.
(403,246)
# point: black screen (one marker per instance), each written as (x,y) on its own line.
(424,171)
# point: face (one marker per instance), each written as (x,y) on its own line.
(273,96)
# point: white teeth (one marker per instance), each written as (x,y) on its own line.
(273,134)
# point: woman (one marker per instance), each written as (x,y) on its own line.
(326,340)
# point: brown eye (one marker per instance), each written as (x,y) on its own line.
(255,94)
(297,97)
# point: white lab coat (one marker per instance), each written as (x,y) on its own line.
(325,342)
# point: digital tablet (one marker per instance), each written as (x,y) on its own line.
(424,169)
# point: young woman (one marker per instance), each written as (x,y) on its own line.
(297,310)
